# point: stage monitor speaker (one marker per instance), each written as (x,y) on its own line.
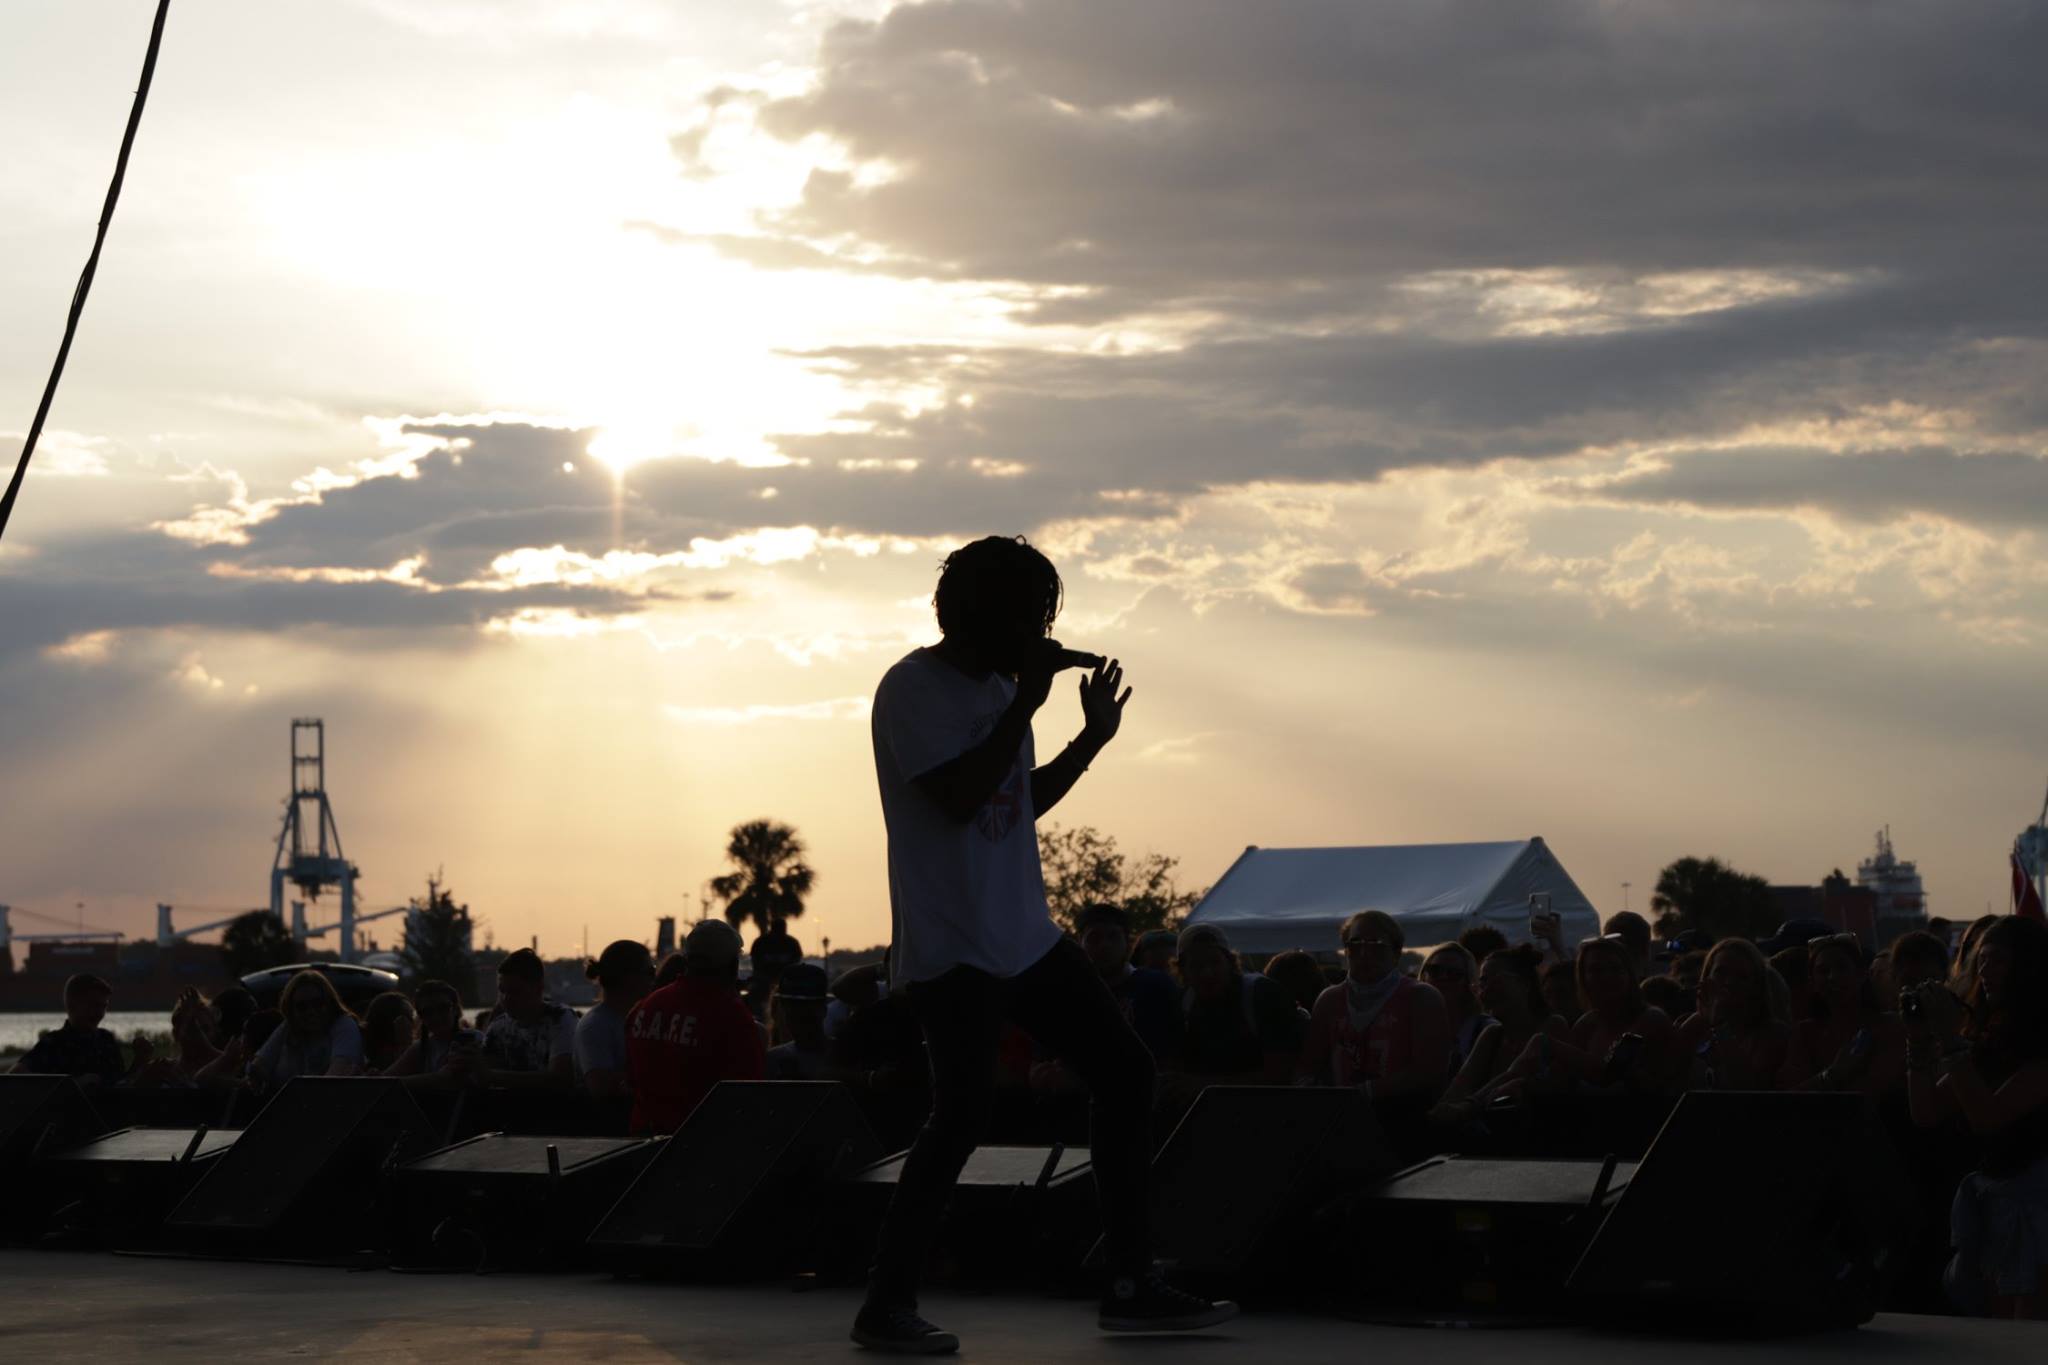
(1247,1158)
(743,1184)
(119,1188)
(1013,1209)
(1752,1211)
(1459,1238)
(501,1199)
(307,1175)
(38,1115)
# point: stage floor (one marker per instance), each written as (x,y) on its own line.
(60,1306)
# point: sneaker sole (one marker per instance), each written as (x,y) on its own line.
(1214,1314)
(938,1344)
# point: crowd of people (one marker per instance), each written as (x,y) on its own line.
(1948,1049)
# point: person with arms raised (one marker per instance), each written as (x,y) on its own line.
(975,946)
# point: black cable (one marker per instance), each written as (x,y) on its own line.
(92,262)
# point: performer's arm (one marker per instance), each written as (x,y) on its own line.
(963,785)
(1103,712)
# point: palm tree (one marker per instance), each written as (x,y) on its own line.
(769,880)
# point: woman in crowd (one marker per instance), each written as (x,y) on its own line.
(388,1028)
(624,973)
(1377,1029)
(318,1037)
(446,1052)
(1619,1043)
(1854,1044)
(1739,1037)
(1984,1066)
(1917,958)
(1237,1027)
(194,1035)
(1453,971)
(1962,973)
(1511,992)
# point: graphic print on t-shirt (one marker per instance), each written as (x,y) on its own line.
(1000,814)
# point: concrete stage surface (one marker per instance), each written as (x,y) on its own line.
(74,1306)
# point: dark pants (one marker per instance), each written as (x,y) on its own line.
(1064,1005)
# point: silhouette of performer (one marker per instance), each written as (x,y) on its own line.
(974,944)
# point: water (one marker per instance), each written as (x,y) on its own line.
(18,1032)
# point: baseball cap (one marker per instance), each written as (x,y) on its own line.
(1201,933)
(712,943)
(801,981)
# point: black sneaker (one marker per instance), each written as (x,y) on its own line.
(902,1331)
(1149,1304)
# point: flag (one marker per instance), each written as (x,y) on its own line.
(2026,897)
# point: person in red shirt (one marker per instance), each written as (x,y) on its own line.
(692,1033)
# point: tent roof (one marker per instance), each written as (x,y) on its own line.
(1272,899)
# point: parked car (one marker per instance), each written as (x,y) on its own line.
(358,986)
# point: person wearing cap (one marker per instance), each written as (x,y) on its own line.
(804,1052)
(975,947)
(684,1038)
(624,972)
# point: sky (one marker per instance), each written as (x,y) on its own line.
(1617,423)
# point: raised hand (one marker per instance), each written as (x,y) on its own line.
(1102,710)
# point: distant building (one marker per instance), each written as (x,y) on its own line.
(143,975)
(1900,898)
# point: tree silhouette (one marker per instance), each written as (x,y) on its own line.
(1083,866)
(769,879)
(1706,895)
(255,941)
(437,941)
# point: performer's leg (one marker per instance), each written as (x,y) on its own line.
(1062,1002)
(961,1013)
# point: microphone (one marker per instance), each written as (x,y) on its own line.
(1074,658)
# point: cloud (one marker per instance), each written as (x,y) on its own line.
(838,708)
(1163,153)
(1999,488)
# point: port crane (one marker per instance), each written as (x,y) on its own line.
(80,935)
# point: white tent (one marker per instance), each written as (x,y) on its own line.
(1273,899)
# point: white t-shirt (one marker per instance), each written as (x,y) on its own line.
(959,894)
(282,1056)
